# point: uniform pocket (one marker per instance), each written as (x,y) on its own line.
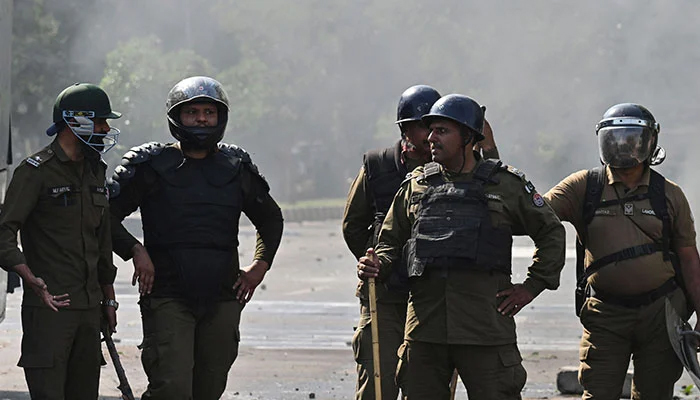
(37,348)
(150,351)
(362,344)
(100,200)
(401,366)
(514,375)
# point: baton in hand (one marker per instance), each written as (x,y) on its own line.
(124,386)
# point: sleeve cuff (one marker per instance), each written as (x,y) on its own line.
(123,248)
(15,259)
(534,286)
(106,276)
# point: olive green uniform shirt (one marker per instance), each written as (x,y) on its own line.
(461,308)
(59,207)
(358,219)
(611,230)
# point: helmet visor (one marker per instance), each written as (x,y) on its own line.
(625,146)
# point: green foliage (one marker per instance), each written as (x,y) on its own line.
(138,75)
(314,83)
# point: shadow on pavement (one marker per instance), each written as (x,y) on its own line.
(7,395)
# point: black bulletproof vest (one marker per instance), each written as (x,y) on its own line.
(192,218)
(385,172)
(453,228)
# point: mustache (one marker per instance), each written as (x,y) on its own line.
(435,146)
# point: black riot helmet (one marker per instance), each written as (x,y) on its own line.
(414,103)
(197,89)
(461,109)
(628,136)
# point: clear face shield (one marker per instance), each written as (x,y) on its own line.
(83,126)
(626,142)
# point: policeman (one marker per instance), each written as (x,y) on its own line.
(191,194)
(369,198)
(637,231)
(453,221)
(57,200)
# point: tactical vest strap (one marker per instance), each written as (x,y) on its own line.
(657,198)
(592,201)
(625,254)
(385,172)
(486,170)
(594,190)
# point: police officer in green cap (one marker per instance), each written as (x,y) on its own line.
(57,200)
(452,222)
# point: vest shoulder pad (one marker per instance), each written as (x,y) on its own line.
(231,150)
(234,152)
(135,156)
(40,157)
(487,169)
(380,161)
(143,153)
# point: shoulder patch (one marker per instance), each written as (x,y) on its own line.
(537,200)
(36,159)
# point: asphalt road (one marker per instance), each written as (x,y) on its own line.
(296,332)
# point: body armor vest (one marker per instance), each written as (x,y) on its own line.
(191,217)
(385,172)
(453,228)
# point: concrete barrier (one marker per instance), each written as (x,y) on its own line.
(313,214)
(567,382)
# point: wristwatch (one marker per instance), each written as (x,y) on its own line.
(111,303)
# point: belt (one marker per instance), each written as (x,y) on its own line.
(639,300)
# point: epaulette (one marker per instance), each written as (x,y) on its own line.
(520,174)
(36,159)
(527,185)
(410,176)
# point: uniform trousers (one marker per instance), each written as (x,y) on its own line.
(392,320)
(488,372)
(612,334)
(61,353)
(187,356)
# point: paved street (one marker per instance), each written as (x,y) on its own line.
(296,332)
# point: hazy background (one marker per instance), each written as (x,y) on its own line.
(314,83)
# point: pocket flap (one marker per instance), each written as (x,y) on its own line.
(510,357)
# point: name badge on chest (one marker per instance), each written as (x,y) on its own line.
(629,208)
